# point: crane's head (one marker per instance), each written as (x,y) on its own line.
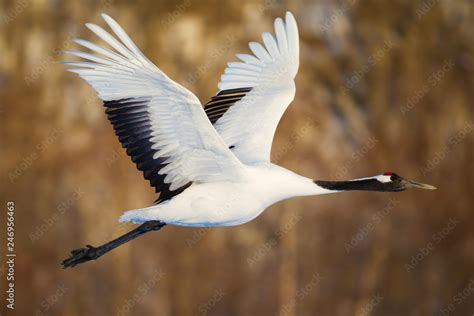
(390,181)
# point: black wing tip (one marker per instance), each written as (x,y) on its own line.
(222,101)
(235,90)
(132,124)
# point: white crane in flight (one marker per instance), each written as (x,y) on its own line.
(210,164)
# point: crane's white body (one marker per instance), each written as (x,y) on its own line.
(228,163)
(229,203)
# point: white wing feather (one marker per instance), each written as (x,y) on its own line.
(249,125)
(181,134)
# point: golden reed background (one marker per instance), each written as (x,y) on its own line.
(383,85)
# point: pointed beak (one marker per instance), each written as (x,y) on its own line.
(414,184)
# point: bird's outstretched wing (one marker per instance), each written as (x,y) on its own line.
(161,124)
(254,94)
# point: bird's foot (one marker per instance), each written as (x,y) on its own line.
(82,255)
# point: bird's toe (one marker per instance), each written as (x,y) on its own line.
(81,255)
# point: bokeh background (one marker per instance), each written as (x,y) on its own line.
(383,85)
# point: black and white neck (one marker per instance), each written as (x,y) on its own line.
(386,182)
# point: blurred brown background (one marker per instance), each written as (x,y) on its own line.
(383,85)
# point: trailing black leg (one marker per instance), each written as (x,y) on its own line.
(82,255)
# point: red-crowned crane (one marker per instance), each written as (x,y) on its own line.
(210,164)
